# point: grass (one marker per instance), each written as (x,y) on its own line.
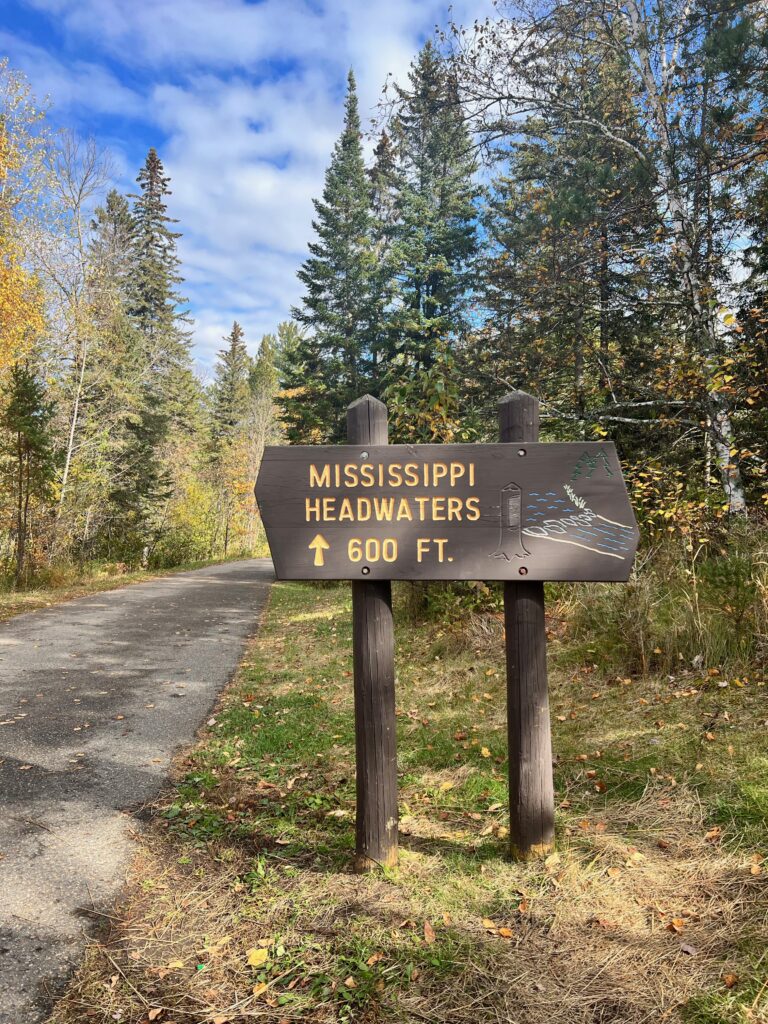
(69,582)
(242,905)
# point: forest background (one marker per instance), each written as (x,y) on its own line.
(572,200)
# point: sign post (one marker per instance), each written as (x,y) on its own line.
(531,791)
(373,644)
(518,511)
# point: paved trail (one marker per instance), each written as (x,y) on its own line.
(95,696)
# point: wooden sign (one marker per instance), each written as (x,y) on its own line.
(539,511)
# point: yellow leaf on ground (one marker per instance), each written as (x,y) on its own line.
(260,989)
(257,956)
(429,932)
(506,933)
(485,752)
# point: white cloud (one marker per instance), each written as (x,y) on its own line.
(244,102)
(80,86)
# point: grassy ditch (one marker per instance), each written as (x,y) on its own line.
(242,905)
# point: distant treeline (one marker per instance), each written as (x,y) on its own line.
(111,448)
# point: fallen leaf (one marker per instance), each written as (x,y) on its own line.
(374,959)
(676,925)
(506,933)
(155,1012)
(485,752)
(489,924)
(445,786)
(260,989)
(613,872)
(429,933)
(688,950)
(257,956)
(730,980)
(175,964)
(447,920)
(350,982)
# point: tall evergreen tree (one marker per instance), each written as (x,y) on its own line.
(156,301)
(434,240)
(231,388)
(335,362)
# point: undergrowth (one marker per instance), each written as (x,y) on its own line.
(243,905)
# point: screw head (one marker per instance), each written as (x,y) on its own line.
(521,451)
(363,455)
(365,570)
(523,571)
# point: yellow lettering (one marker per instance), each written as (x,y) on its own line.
(422,546)
(363,506)
(329,510)
(438,509)
(384,509)
(345,511)
(457,471)
(319,479)
(367,478)
(411,471)
(471,474)
(395,475)
(441,542)
(350,475)
(472,507)
(312,509)
(404,510)
(421,502)
(439,470)
(454,508)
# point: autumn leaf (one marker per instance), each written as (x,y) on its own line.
(485,752)
(429,933)
(506,933)
(154,1013)
(257,956)
(260,989)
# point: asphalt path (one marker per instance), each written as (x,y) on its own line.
(95,697)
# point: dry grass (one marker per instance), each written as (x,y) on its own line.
(654,907)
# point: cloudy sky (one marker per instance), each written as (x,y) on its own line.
(243,101)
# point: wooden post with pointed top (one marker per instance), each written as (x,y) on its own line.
(374,680)
(531,792)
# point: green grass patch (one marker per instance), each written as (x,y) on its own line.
(652,905)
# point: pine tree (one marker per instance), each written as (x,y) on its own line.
(156,301)
(335,364)
(231,388)
(27,463)
(434,240)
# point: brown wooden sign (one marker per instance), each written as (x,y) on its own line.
(538,511)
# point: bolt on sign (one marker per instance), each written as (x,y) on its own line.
(557,511)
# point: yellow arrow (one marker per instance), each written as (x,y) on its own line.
(319,544)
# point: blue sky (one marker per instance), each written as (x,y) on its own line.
(242,100)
